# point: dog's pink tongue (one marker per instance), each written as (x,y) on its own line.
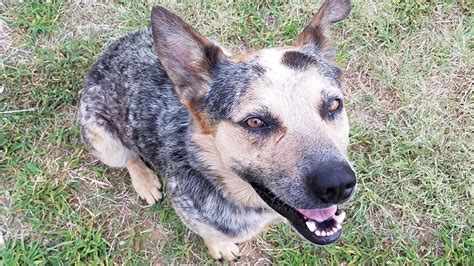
(319,214)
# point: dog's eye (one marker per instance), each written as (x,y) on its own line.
(254,122)
(333,105)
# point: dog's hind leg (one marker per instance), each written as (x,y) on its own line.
(110,150)
(145,182)
(103,141)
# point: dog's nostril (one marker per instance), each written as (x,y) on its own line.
(348,191)
(332,184)
(330,192)
(351,185)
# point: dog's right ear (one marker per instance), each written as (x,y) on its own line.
(187,57)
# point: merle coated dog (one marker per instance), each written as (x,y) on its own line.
(244,141)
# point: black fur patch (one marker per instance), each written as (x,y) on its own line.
(298,60)
(259,69)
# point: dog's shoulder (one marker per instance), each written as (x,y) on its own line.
(126,57)
(138,44)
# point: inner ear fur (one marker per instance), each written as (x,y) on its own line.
(188,59)
(316,34)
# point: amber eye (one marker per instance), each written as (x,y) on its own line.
(254,122)
(333,105)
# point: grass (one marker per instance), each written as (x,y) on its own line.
(408,67)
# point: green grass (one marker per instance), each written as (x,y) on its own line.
(408,67)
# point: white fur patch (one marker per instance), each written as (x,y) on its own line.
(108,148)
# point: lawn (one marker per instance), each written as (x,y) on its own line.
(408,82)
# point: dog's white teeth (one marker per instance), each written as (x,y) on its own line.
(340,218)
(329,232)
(311,226)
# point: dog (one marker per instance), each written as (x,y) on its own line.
(243,141)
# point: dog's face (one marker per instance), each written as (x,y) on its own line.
(276,116)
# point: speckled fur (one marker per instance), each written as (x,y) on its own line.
(130,102)
(128,93)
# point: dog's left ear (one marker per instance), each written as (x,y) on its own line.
(187,57)
(316,35)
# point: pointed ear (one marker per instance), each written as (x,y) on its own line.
(187,57)
(317,34)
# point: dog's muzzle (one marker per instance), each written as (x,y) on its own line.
(319,226)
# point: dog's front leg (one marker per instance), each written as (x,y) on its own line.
(221,247)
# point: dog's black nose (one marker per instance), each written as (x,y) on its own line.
(332,182)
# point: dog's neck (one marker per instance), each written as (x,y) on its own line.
(234,187)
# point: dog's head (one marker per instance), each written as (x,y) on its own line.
(275,118)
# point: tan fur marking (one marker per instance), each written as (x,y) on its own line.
(96,138)
(200,120)
(219,245)
(221,249)
(275,154)
(233,185)
(187,57)
(243,57)
(317,31)
(144,180)
(107,148)
(312,32)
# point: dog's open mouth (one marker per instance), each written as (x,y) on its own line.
(320,226)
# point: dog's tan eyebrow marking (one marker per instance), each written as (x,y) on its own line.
(243,57)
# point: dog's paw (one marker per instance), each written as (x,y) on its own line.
(147,185)
(223,250)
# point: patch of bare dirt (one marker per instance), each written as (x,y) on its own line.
(92,17)
(12,225)
(255,252)
(11,42)
(361,90)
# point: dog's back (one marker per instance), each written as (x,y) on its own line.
(123,99)
(125,85)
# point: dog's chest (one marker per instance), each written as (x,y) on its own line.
(198,199)
(256,223)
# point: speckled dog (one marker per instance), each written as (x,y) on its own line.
(243,141)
